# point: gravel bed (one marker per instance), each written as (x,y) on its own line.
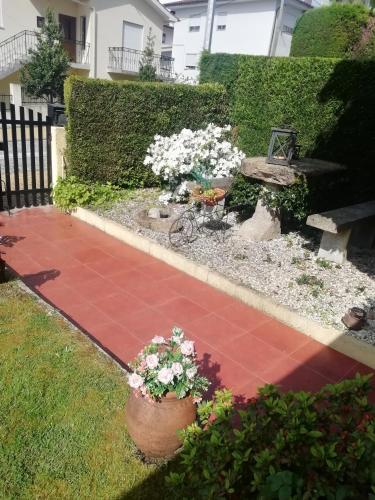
(285,269)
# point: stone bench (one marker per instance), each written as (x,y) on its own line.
(355,223)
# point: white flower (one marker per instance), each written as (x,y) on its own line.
(165,376)
(187,347)
(158,340)
(176,339)
(177,368)
(152,361)
(135,381)
(191,372)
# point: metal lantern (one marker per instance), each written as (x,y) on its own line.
(283,146)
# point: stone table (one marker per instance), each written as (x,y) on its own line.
(265,224)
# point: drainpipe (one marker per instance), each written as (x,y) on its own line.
(277,29)
(209,25)
(94,42)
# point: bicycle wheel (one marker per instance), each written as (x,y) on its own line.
(182,230)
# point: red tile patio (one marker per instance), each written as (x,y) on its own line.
(122,297)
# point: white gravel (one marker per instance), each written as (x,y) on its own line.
(279,268)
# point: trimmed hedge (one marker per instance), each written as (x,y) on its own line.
(330,31)
(329,102)
(111,124)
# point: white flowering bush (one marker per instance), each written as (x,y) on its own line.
(167,365)
(206,151)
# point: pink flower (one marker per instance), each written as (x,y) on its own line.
(165,376)
(187,347)
(191,372)
(177,368)
(135,381)
(158,340)
(152,361)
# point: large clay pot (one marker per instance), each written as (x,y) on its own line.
(153,425)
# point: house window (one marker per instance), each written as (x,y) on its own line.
(40,21)
(191,61)
(194,24)
(164,37)
(221,21)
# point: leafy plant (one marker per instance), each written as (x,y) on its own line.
(325,264)
(111,124)
(310,280)
(44,75)
(147,70)
(70,193)
(167,365)
(281,446)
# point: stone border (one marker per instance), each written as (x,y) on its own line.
(360,351)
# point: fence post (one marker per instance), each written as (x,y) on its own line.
(58,145)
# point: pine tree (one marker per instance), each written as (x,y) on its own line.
(43,76)
(147,70)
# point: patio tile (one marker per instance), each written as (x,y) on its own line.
(119,305)
(158,270)
(147,323)
(95,289)
(153,294)
(214,330)
(244,316)
(118,341)
(90,255)
(181,310)
(86,316)
(280,336)
(324,360)
(127,280)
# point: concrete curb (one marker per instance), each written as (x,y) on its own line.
(360,351)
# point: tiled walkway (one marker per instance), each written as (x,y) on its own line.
(122,297)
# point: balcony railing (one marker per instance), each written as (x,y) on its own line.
(129,61)
(78,52)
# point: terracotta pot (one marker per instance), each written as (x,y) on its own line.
(153,425)
(210,201)
(354,319)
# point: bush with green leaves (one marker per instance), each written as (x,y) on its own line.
(281,446)
(111,124)
(329,31)
(292,199)
(70,193)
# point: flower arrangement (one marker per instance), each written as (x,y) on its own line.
(167,365)
(176,158)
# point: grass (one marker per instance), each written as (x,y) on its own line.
(62,430)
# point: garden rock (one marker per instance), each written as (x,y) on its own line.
(157,219)
(264,224)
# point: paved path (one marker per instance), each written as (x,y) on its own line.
(122,297)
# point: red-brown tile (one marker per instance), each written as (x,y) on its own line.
(110,266)
(127,280)
(292,375)
(86,316)
(119,305)
(158,270)
(147,323)
(153,294)
(214,330)
(324,360)
(117,340)
(182,310)
(90,255)
(95,289)
(280,336)
(244,316)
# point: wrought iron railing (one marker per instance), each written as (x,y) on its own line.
(8,99)
(130,61)
(15,50)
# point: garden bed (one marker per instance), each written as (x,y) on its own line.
(285,269)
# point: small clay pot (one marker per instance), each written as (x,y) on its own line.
(153,425)
(354,319)
(211,201)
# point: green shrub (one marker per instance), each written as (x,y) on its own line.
(111,124)
(330,31)
(220,68)
(283,446)
(70,193)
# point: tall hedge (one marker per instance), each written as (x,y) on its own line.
(111,124)
(220,68)
(330,102)
(330,31)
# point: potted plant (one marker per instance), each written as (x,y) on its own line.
(204,192)
(165,387)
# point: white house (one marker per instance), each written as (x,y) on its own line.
(104,38)
(257,27)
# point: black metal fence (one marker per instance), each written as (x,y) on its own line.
(25,159)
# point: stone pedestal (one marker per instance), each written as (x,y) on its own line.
(265,224)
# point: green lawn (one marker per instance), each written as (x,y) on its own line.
(62,430)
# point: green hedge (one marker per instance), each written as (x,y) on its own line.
(330,31)
(220,68)
(111,124)
(330,103)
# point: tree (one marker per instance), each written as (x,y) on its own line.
(44,75)
(147,70)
